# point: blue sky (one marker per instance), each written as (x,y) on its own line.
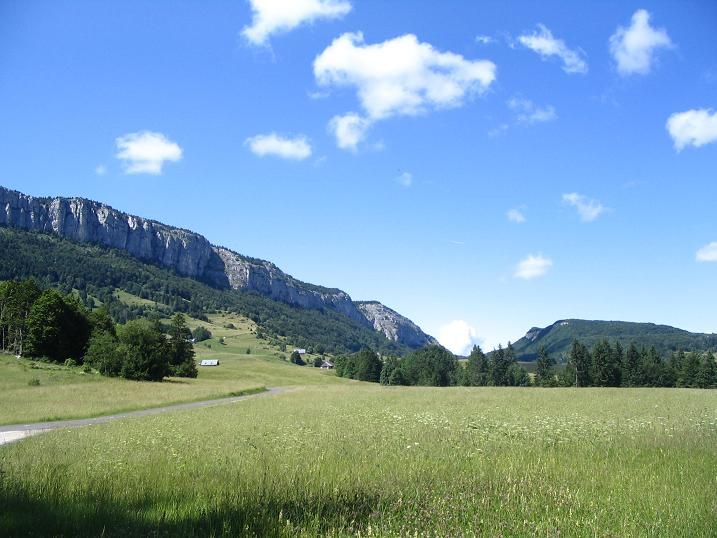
(481,167)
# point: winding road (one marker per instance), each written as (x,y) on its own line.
(15,432)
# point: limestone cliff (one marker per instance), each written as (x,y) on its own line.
(191,255)
(393,325)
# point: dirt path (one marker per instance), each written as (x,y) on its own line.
(15,432)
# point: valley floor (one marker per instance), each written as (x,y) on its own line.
(345,459)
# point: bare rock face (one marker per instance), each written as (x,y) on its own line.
(192,255)
(264,277)
(393,325)
(92,222)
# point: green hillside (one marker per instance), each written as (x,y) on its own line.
(97,273)
(558,337)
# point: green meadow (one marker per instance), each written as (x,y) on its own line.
(355,459)
(333,457)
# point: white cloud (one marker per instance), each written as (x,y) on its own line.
(405,179)
(529,113)
(533,266)
(275,145)
(146,152)
(515,215)
(100,169)
(400,76)
(544,43)
(588,209)
(633,48)
(458,337)
(276,16)
(349,130)
(484,39)
(693,128)
(708,253)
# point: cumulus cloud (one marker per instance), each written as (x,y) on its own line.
(587,208)
(529,113)
(693,128)
(277,16)
(275,145)
(533,266)
(458,337)
(515,215)
(400,76)
(405,179)
(708,253)
(546,45)
(349,130)
(633,48)
(146,152)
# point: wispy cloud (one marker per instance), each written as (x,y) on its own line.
(397,77)
(484,39)
(546,45)
(708,253)
(272,144)
(516,215)
(100,170)
(692,128)
(533,266)
(587,208)
(633,48)
(405,179)
(146,152)
(278,16)
(529,113)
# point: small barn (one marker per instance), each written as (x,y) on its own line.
(300,351)
(209,362)
(327,365)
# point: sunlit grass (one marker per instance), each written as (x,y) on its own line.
(70,393)
(348,459)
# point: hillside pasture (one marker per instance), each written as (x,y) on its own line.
(34,391)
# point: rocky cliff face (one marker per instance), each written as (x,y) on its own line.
(83,220)
(393,325)
(191,255)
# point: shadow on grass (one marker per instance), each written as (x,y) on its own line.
(86,515)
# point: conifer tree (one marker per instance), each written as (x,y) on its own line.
(545,372)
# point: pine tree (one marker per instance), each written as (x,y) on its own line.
(707,375)
(581,362)
(545,372)
(476,371)
(631,367)
(181,350)
(690,370)
(604,369)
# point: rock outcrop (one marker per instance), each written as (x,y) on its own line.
(393,325)
(192,255)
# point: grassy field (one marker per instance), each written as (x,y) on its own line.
(358,459)
(70,393)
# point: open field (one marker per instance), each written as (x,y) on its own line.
(70,393)
(358,458)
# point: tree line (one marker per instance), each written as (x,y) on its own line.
(435,366)
(610,365)
(46,324)
(604,365)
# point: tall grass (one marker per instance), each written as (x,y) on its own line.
(357,459)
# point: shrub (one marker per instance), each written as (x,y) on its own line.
(201,334)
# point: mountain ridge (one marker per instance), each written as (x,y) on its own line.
(558,337)
(188,253)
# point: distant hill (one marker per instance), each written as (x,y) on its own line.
(558,337)
(189,254)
